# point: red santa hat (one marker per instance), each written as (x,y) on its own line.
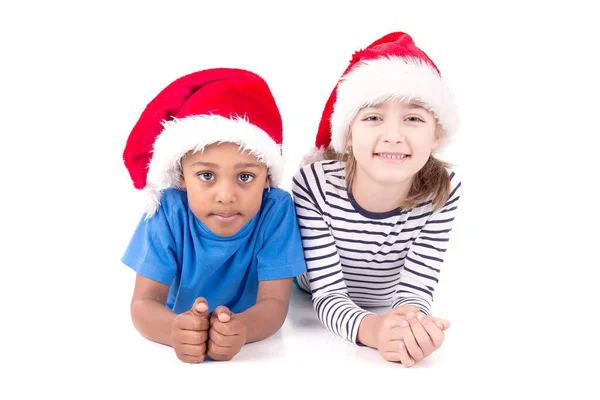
(391,67)
(196,110)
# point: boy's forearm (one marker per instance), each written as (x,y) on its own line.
(263,319)
(153,320)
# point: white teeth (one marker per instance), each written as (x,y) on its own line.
(392,156)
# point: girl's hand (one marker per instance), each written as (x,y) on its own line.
(422,335)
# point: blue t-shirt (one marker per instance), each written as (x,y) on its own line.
(175,248)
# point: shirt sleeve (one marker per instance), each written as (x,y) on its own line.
(281,255)
(334,308)
(151,251)
(423,262)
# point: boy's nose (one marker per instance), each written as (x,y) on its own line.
(226,193)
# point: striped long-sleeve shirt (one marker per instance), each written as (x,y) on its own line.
(359,258)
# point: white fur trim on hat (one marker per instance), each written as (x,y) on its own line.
(180,136)
(313,155)
(373,81)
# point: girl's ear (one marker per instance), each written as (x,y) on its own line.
(435,144)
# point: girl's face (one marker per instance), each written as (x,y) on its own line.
(224,186)
(392,141)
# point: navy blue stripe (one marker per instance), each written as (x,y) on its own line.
(327,171)
(329,284)
(434,239)
(321,257)
(428,257)
(372,269)
(428,246)
(315,237)
(309,269)
(372,252)
(313,228)
(370,261)
(441,221)
(421,275)
(310,193)
(319,247)
(422,264)
(325,276)
(372,288)
(415,287)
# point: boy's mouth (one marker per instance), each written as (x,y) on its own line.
(225,217)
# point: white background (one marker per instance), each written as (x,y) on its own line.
(520,277)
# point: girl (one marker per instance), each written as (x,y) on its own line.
(376,215)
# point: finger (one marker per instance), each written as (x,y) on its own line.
(446,324)
(231,328)
(443,324)
(404,356)
(434,332)
(392,321)
(192,337)
(439,323)
(403,310)
(410,342)
(191,359)
(421,335)
(191,350)
(390,346)
(223,314)
(191,322)
(393,356)
(218,353)
(218,338)
(200,308)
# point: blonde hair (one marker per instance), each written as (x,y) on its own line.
(432,182)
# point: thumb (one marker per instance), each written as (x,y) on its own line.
(223,314)
(200,307)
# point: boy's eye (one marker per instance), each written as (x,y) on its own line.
(206,176)
(415,119)
(246,178)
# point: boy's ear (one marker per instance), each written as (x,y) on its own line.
(182,182)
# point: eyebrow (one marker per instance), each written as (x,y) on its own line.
(410,105)
(413,105)
(216,166)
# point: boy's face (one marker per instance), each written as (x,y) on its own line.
(224,186)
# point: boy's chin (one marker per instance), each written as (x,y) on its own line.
(223,232)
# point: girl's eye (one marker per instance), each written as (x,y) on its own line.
(415,119)
(206,176)
(372,118)
(246,178)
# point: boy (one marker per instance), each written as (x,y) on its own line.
(217,247)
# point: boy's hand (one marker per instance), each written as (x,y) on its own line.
(189,333)
(226,335)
